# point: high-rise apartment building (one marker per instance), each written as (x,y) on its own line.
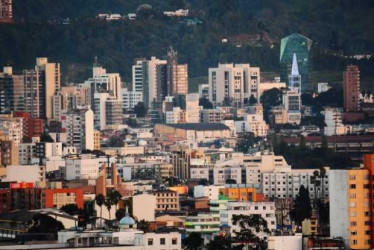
(177,74)
(113,112)
(149,78)
(233,84)
(50,81)
(192,108)
(299,45)
(79,127)
(351,78)
(351,205)
(40,86)
(6,91)
(6,10)
(103,82)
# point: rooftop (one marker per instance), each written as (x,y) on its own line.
(200,126)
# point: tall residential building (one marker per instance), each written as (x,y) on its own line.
(50,81)
(351,207)
(233,84)
(177,74)
(79,127)
(299,45)
(149,78)
(6,10)
(192,108)
(334,122)
(11,128)
(40,86)
(292,104)
(6,91)
(99,109)
(351,78)
(113,112)
(103,82)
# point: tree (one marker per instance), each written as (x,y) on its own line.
(322,175)
(114,196)
(252,100)
(71,209)
(203,101)
(115,141)
(230,181)
(316,182)
(223,243)
(45,137)
(120,213)
(143,225)
(140,109)
(42,223)
(193,241)
(100,202)
(302,208)
(253,228)
(108,203)
(245,141)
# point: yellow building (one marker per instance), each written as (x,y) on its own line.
(359,209)
(350,207)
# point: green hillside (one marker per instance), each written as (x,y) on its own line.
(253,30)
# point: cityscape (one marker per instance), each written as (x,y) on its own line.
(182,124)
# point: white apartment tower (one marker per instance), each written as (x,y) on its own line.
(79,127)
(233,84)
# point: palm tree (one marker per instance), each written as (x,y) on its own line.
(115,197)
(316,184)
(322,175)
(100,201)
(108,203)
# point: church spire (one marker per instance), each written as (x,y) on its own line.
(295,68)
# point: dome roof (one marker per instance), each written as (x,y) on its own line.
(143,7)
(127,221)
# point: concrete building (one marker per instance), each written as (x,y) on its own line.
(50,80)
(195,132)
(233,84)
(103,82)
(11,128)
(177,75)
(113,113)
(177,115)
(83,167)
(351,84)
(351,207)
(150,79)
(192,108)
(56,198)
(204,91)
(211,191)
(292,105)
(204,223)
(97,140)
(211,115)
(167,200)
(140,211)
(78,124)
(289,242)
(6,89)
(252,123)
(130,98)
(30,173)
(265,209)
(334,122)
(323,87)
(8,153)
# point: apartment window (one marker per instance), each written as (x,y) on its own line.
(354,242)
(367,232)
(352,177)
(366,186)
(353,223)
(162,241)
(150,242)
(352,186)
(367,223)
(354,233)
(352,195)
(174,241)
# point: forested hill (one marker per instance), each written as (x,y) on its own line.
(253,29)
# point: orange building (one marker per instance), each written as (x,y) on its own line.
(369,165)
(56,198)
(31,127)
(241,194)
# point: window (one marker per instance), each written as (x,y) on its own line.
(174,241)
(150,242)
(352,186)
(162,241)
